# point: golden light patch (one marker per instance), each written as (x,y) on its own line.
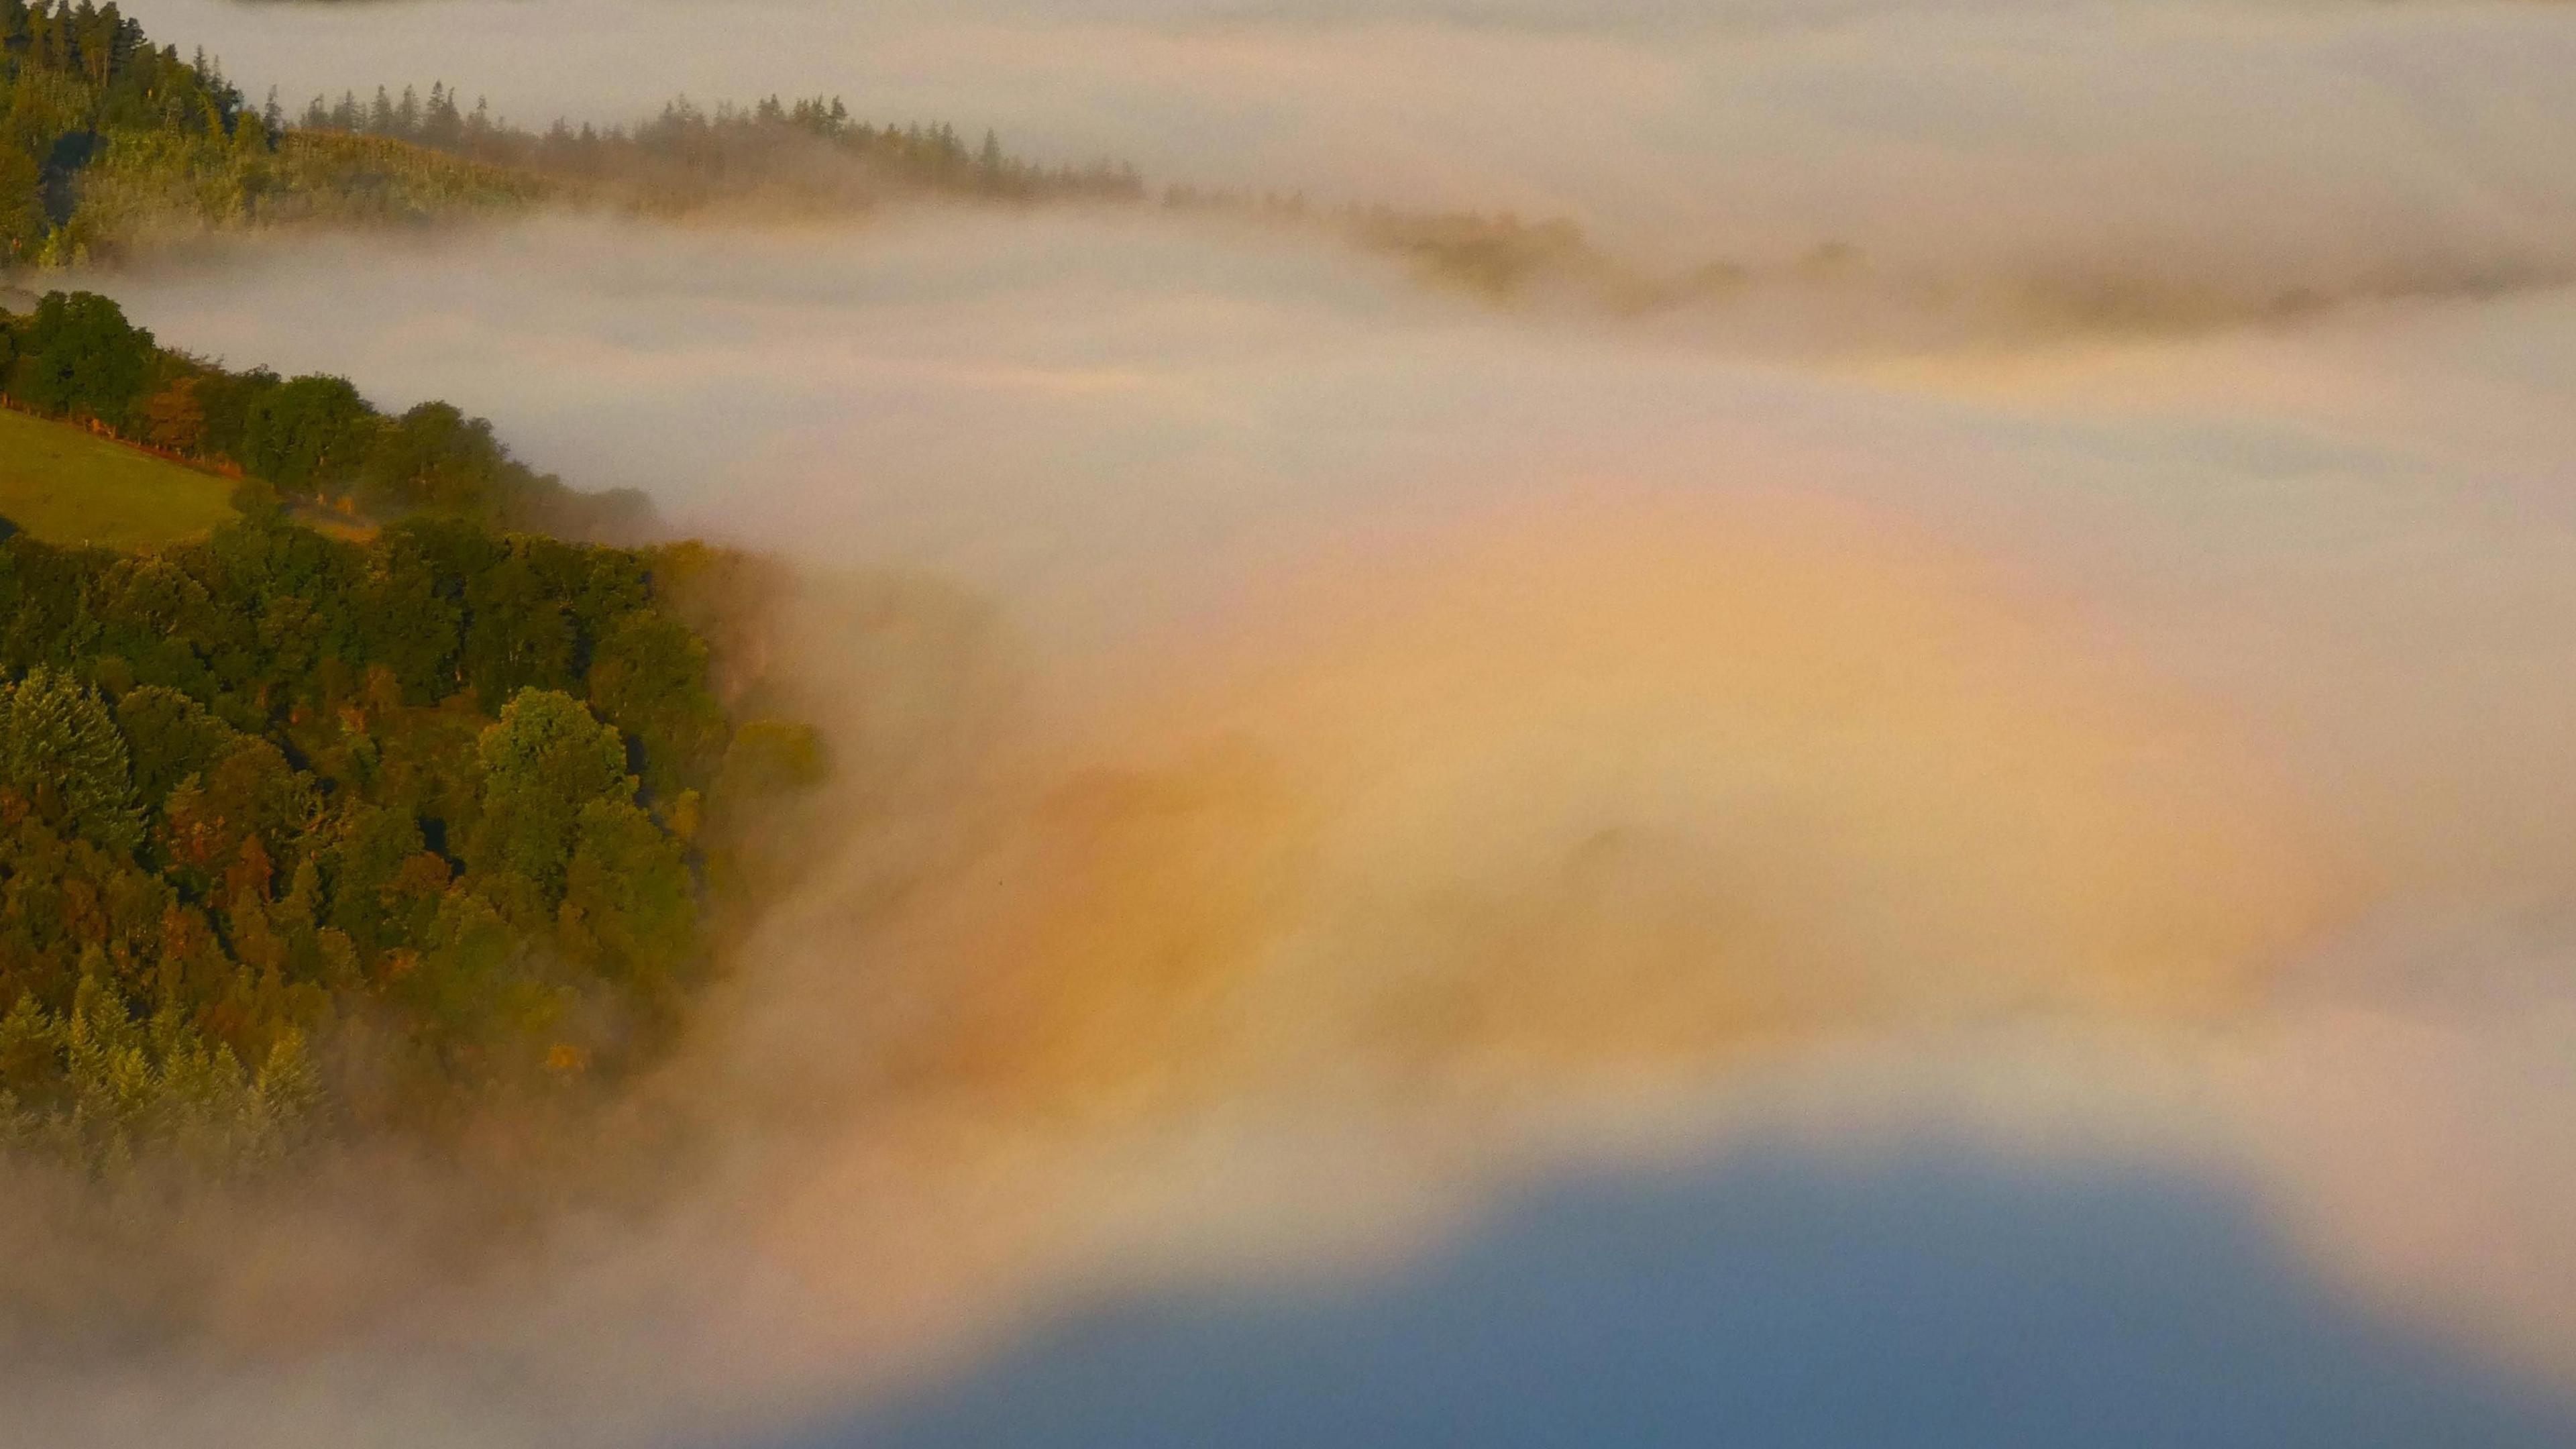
(1624,790)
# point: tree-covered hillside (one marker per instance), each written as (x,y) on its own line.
(313,439)
(299,834)
(107,140)
(71,79)
(304,834)
(109,146)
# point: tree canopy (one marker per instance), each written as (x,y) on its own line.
(264,796)
(304,831)
(314,439)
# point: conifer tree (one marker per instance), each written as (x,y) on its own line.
(61,754)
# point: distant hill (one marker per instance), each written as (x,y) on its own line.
(112,147)
(109,143)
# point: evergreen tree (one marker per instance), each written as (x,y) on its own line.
(62,758)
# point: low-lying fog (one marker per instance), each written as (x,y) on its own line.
(1364,740)
(1535,704)
(1115,424)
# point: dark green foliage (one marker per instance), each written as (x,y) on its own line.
(383,880)
(307,435)
(308,440)
(648,677)
(168,737)
(522,631)
(412,604)
(63,762)
(78,357)
(23,222)
(224,401)
(276,792)
(629,905)
(433,459)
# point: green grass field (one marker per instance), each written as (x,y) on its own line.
(65,486)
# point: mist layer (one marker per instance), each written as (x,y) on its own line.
(1363,744)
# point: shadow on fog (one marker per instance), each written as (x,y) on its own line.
(1774,1300)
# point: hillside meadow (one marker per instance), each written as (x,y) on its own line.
(65,485)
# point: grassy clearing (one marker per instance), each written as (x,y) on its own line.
(64,485)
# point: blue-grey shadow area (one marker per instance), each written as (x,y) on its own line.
(1771,1299)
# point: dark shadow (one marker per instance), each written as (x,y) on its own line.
(60,168)
(1773,1300)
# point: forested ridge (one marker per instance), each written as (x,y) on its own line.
(109,144)
(107,139)
(304,835)
(311,440)
(688,155)
(811,153)
(72,79)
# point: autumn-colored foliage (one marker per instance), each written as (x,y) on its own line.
(259,792)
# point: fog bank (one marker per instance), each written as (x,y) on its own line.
(2252,151)
(1403,742)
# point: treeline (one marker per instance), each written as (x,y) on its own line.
(108,142)
(301,835)
(812,152)
(1499,256)
(687,155)
(312,439)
